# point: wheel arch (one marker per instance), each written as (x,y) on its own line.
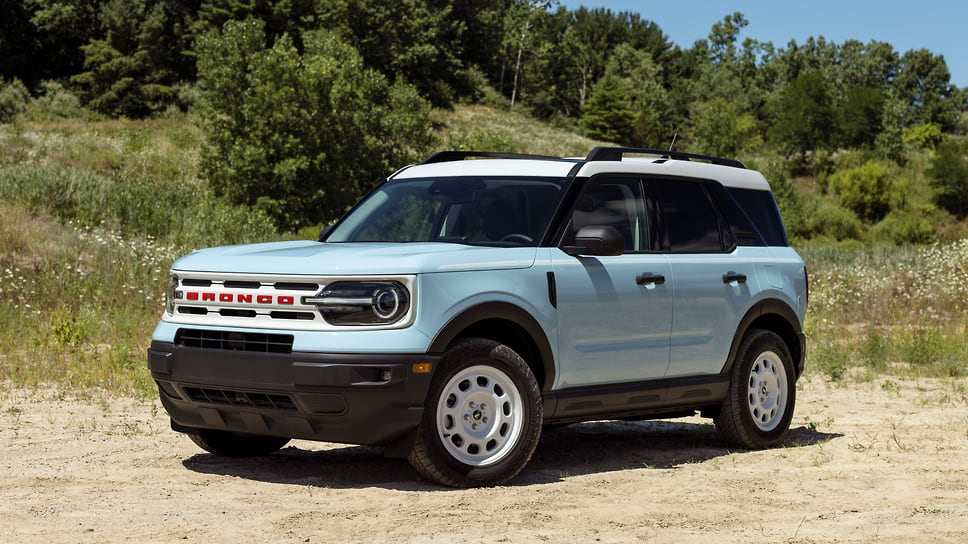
(508,324)
(776,316)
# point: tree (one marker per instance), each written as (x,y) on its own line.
(924,85)
(948,175)
(859,116)
(606,115)
(518,31)
(642,81)
(721,130)
(804,116)
(417,40)
(301,135)
(134,70)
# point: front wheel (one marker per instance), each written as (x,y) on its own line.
(759,406)
(482,417)
(228,444)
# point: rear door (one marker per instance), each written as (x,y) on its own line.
(710,277)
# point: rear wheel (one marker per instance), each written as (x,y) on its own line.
(482,418)
(762,392)
(229,444)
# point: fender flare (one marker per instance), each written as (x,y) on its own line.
(783,320)
(505,312)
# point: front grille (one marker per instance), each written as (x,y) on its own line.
(241,398)
(234,341)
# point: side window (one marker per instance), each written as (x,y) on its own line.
(689,223)
(761,207)
(613,202)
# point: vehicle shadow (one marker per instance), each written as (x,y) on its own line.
(583,448)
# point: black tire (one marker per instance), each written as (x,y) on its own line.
(482,417)
(228,444)
(762,392)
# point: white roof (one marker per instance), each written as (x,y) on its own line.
(727,175)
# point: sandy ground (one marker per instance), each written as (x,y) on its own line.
(876,462)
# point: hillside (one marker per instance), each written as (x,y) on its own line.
(93,214)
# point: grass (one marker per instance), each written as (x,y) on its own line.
(888,311)
(93,214)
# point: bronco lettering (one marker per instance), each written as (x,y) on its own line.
(240,298)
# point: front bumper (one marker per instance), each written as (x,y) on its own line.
(346,398)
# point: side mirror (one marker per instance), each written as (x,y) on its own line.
(598,241)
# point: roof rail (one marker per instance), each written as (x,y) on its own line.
(616,154)
(448,156)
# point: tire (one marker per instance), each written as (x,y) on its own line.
(482,417)
(228,444)
(762,392)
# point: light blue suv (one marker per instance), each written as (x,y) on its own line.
(464,304)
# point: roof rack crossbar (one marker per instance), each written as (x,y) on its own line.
(448,156)
(616,154)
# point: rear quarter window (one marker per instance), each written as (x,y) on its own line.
(761,208)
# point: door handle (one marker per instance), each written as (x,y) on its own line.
(649,277)
(731,276)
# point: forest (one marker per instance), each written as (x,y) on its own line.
(861,142)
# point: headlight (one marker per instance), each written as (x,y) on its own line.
(362,303)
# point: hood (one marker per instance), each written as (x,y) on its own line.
(315,258)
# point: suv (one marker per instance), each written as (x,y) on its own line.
(464,304)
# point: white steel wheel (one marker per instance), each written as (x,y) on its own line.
(482,417)
(479,416)
(766,391)
(762,392)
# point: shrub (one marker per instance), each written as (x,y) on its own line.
(13,99)
(904,227)
(481,141)
(924,136)
(866,190)
(834,221)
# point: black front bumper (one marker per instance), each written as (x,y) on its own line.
(347,398)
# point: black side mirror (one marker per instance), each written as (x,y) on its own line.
(597,240)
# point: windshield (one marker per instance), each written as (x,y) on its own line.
(463,210)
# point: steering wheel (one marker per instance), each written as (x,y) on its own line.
(522,239)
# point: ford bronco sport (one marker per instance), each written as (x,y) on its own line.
(464,304)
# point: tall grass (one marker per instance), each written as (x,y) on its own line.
(90,223)
(896,310)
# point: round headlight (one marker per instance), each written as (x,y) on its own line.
(362,303)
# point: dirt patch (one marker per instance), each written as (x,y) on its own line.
(879,462)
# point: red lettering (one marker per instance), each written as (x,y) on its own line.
(286,300)
(191,295)
(264,299)
(225,297)
(209,297)
(244,298)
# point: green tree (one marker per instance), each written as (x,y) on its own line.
(135,69)
(606,114)
(301,135)
(721,130)
(642,80)
(924,85)
(948,176)
(804,117)
(859,116)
